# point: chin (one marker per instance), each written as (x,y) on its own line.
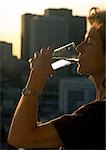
(81,71)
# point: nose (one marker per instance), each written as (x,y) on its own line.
(80,47)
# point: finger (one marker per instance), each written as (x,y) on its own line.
(42,51)
(30,60)
(50,49)
(36,54)
(30,63)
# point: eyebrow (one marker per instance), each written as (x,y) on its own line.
(89,35)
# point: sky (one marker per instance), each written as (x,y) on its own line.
(12,10)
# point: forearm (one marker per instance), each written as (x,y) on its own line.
(25,117)
(26,114)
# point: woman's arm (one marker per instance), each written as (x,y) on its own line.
(24,130)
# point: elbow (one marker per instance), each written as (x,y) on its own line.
(13,141)
(10,139)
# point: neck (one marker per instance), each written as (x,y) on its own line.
(100,89)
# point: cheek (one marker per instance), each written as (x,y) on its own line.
(98,61)
(92,65)
(92,60)
(88,63)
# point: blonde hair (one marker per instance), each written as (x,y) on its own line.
(97,19)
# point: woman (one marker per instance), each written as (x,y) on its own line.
(84,128)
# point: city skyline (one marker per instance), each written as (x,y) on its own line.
(11,11)
(55,28)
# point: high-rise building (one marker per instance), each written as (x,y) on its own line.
(48,31)
(8,62)
(5,50)
(25,35)
(77,28)
(55,28)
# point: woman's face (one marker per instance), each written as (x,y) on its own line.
(91,54)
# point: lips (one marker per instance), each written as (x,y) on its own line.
(80,60)
(79,57)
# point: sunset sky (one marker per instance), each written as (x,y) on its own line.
(11,11)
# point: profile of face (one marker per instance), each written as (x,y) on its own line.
(91,54)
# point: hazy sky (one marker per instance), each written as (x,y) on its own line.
(11,11)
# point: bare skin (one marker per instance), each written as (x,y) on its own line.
(92,60)
(25,130)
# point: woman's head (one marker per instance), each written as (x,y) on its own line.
(96,19)
(92,49)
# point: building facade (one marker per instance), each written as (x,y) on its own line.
(25,35)
(55,28)
(5,50)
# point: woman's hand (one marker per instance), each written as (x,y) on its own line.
(29,133)
(41,68)
(41,62)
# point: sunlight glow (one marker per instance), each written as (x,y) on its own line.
(11,11)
